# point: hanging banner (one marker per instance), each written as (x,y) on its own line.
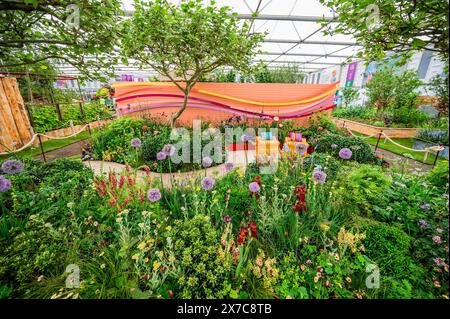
(351,72)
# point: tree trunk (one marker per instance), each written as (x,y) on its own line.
(174,117)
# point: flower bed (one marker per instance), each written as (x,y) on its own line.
(315,228)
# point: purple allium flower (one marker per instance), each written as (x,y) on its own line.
(161,156)
(437,240)
(12,166)
(425,206)
(333,145)
(319,176)
(253,187)
(301,148)
(423,223)
(345,153)
(5,184)
(154,195)
(207,161)
(227,218)
(168,149)
(229,166)
(135,142)
(245,138)
(207,183)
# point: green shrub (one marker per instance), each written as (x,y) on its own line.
(327,163)
(439,175)
(45,117)
(388,246)
(112,143)
(40,250)
(197,247)
(366,183)
(362,151)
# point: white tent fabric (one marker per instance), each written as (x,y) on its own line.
(294,34)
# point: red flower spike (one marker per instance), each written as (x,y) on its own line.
(121,181)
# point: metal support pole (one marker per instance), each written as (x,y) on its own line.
(42,148)
(378,141)
(89,128)
(436,158)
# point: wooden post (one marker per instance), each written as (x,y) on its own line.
(42,148)
(378,141)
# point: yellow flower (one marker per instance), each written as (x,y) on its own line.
(172,259)
(146,260)
(156,265)
(215,200)
(141,225)
(197,188)
(141,245)
(119,219)
(135,256)
(168,228)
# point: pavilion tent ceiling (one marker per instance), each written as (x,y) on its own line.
(294,34)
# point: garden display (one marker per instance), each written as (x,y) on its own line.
(335,224)
(241,158)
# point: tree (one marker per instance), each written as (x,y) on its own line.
(187,41)
(439,85)
(396,91)
(349,95)
(80,34)
(399,26)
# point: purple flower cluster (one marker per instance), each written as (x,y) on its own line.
(253,187)
(227,219)
(319,176)
(207,183)
(161,156)
(425,206)
(12,167)
(154,195)
(423,223)
(245,138)
(301,148)
(135,142)
(168,149)
(345,153)
(229,166)
(5,184)
(207,161)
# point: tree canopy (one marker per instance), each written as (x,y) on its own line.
(187,41)
(80,34)
(399,26)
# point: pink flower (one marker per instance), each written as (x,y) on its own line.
(437,240)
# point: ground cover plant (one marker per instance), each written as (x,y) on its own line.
(334,224)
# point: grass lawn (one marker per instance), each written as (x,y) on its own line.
(51,145)
(407,142)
